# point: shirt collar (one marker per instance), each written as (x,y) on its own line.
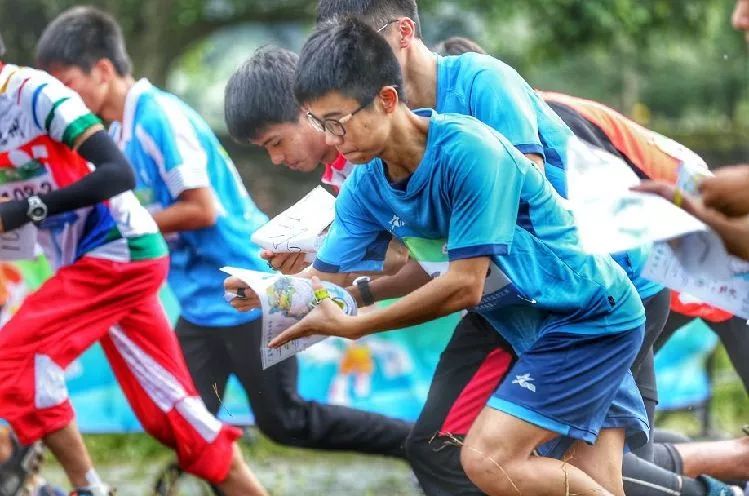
(131,104)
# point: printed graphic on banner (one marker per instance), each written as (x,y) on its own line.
(285,300)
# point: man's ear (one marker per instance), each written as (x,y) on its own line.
(389,98)
(104,71)
(406,31)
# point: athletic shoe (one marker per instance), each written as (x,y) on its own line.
(42,488)
(23,462)
(717,488)
(97,491)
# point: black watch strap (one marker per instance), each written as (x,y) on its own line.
(365,292)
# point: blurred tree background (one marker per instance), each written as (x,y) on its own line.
(673,65)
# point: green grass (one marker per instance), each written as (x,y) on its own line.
(132,462)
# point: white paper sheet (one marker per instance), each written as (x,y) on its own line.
(610,218)
(300,227)
(19,244)
(725,290)
(285,301)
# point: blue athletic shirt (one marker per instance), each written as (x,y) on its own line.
(494,93)
(172,149)
(474,195)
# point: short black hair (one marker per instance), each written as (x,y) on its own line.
(457,45)
(80,37)
(260,93)
(346,56)
(376,13)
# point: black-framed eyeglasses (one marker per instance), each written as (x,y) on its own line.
(387,24)
(333,126)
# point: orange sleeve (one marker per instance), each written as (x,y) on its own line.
(639,144)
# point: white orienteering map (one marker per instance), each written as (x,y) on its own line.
(731,293)
(698,263)
(299,228)
(610,218)
(285,300)
(686,255)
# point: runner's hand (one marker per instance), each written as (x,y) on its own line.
(286,263)
(671,193)
(326,319)
(727,191)
(734,231)
(236,286)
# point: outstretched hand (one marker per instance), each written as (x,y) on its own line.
(673,194)
(727,191)
(734,231)
(325,319)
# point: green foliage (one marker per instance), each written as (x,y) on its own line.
(157,31)
(679,60)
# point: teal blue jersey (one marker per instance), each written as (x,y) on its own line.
(475,195)
(172,149)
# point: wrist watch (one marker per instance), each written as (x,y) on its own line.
(37,211)
(362,283)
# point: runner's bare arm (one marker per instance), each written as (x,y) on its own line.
(734,231)
(195,208)
(728,190)
(292,263)
(409,278)
(461,287)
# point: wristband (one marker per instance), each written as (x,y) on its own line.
(678,197)
(320,295)
(365,292)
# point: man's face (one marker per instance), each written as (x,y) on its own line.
(91,86)
(366,131)
(296,145)
(740,17)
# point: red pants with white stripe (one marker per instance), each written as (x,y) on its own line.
(117,305)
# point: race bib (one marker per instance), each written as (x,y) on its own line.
(19,244)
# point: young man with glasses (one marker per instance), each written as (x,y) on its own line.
(260,108)
(451,189)
(494,93)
